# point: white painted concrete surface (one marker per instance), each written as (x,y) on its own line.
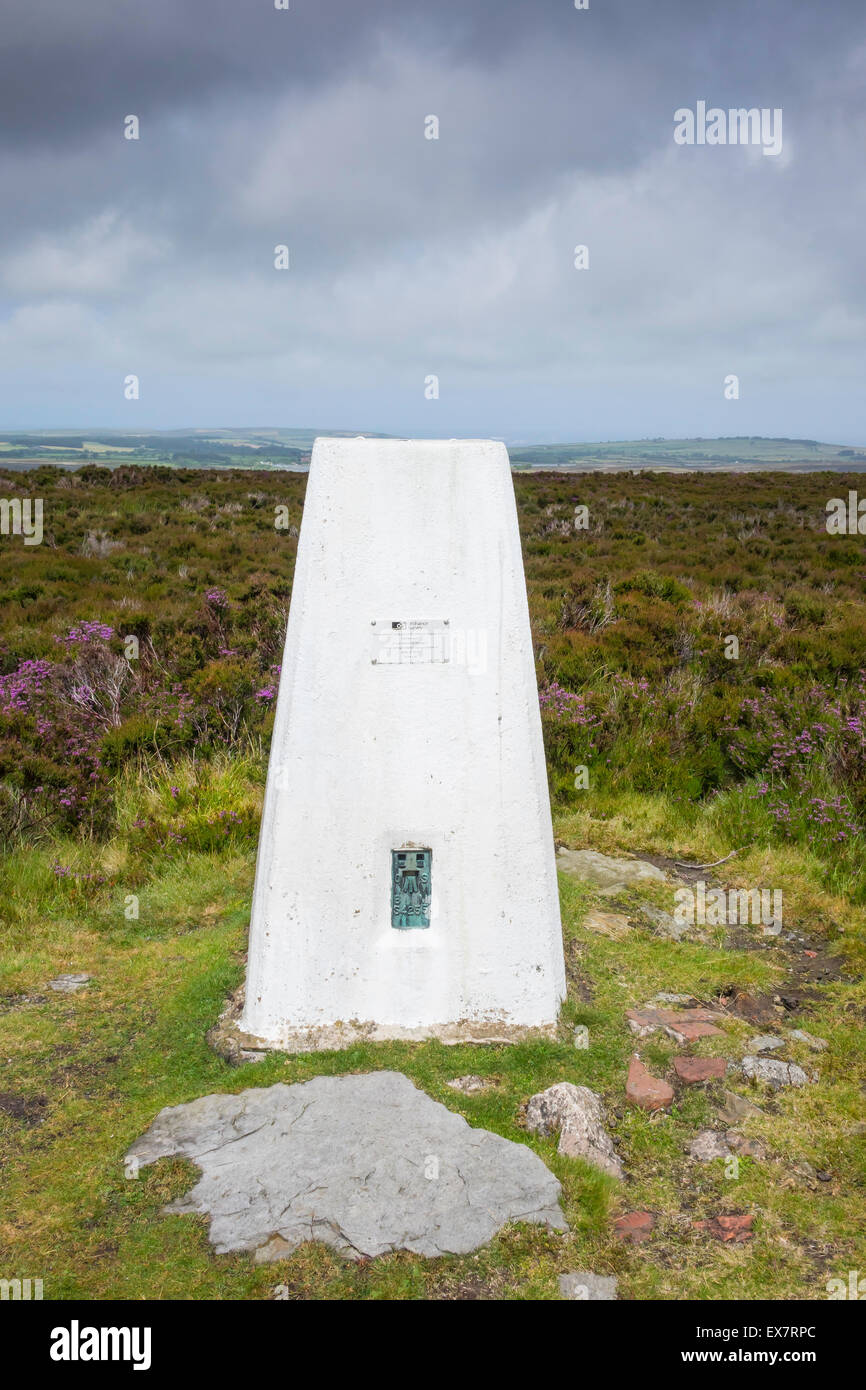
(371,756)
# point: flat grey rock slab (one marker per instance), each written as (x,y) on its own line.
(68,984)
(365,1163)
(588,1288)
(605,873)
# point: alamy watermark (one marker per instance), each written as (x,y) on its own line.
(853,1288)
(22,518)
(77,1343)
(737,126)
(20,1290)
(717,907)
(846,518)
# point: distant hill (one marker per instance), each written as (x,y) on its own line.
(743,452)
(278,448)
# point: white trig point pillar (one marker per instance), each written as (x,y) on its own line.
(406,883)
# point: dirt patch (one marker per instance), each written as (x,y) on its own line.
(76,1072)
(29,1109)
(754,1008)
(675,870)
(751,939)
(579,984)
(827,1260)
(808,964)
(106,1251)
(807,958)
(8,1002)
(472,1289)
(815,964)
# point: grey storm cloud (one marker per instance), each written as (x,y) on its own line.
(411,257)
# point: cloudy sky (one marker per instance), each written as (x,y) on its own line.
(412,257)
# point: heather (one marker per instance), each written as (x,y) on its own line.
(632,618)
(147,628)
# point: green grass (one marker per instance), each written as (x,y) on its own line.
(107,1059)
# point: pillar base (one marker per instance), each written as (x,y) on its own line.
(237,1047)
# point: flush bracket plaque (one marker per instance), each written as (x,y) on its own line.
(409,641)
(410,888)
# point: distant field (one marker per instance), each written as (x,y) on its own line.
(285,448)
(799,455)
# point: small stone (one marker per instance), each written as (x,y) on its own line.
(774,1072)
(610,924)
(635,1227)
(767,1042)
(670,999)
(274,1249)
(645,1090)
(663,923)
(578,1114)
(816,1044)
(737,1108)
(588,1288)
(694,1070)
(804,1169)
(707,1145)
(469,1085)
(746,1148)
(68,984)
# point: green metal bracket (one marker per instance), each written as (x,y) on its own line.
(410,888)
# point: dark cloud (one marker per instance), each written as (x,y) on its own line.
(409,256)
(71,67)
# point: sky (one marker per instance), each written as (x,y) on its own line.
(413,258)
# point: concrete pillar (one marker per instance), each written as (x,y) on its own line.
(407,721)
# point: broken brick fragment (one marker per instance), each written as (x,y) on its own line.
(644,1090)
(635,1226)
(694,1070)
(732,1227)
